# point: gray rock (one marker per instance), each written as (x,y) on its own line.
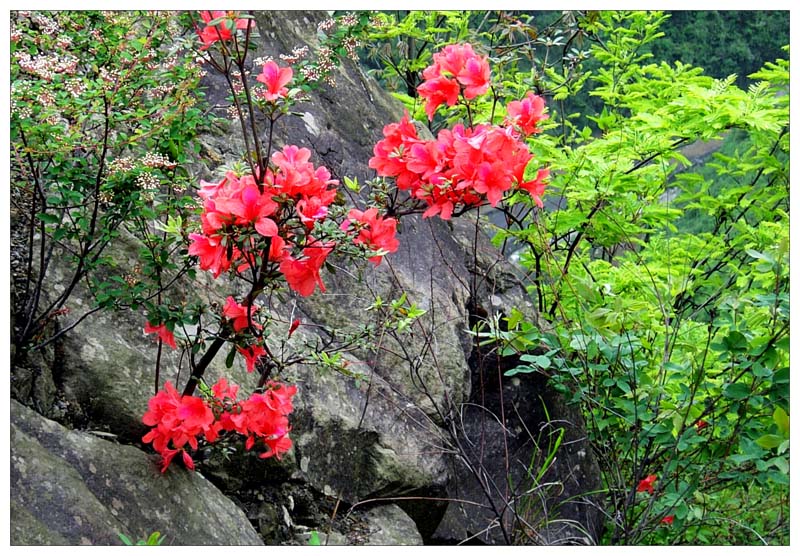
(389,525)
(69,487)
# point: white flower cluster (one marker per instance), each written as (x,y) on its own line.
(261,60)
(19,91)
(233,114)
(47,25)
(109,76)
(348,20)
(326,25)
(64,41)
(298,53)
(148,183)
(122,164)
(350,45)
(46,66)
(20,111)
(76,87)
(157,160)
(45,98)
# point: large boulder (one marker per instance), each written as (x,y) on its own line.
(71,487)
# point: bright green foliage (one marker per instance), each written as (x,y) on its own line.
(676,344)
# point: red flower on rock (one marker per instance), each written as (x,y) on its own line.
(302,274)
(177,420)
(251,355)
(264,417)
(212,251)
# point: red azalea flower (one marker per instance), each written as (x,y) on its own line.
(275,78)
(436,91)
(700,424)
(646,484)
(536,187)
(310,210)
(222,31)
(163,332)
(238,314)
(668,520)
(251,355)
(303,275)
(293,327)
(376,232)
(224,391)
(526,113)
(177,420)
(475,77)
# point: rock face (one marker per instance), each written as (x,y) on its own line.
(401,430)
(70,487)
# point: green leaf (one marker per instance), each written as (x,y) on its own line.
(782,421)
(48,218)
(737,391)
(125,540)
(313,540)
(769,441)
(522,369)
(351,184)
(541,361)
(229,359)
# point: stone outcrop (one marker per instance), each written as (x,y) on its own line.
(70,487)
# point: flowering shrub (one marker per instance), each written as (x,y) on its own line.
(463,167)
(267,224)
(180,420)
(103,113)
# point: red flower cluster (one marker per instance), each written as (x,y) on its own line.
(236,207)
(240,315)
(283,208)
(179,420)
(525,114)
(222,31)
(374,231)
(463,166)
(454,69)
